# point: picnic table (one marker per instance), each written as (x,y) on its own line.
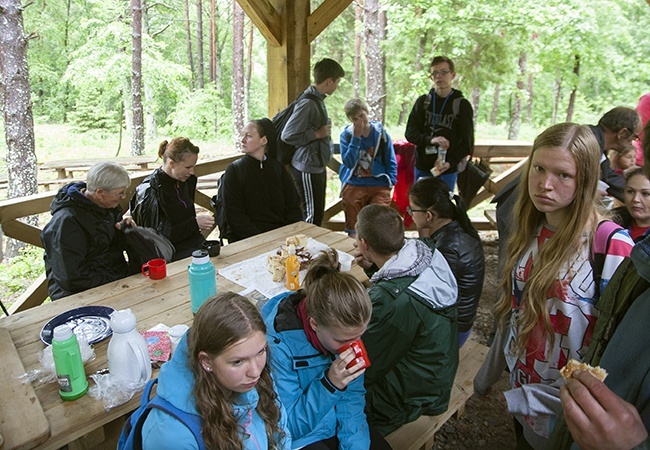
(35,416)
(65,168)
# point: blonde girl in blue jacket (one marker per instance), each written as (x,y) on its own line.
(325,399)
(219,373)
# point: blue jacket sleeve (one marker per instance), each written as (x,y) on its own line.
(391,161)
(350,146)
(305,408)
(352,426)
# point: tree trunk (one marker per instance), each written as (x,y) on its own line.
(494,117)
(199,42)
(476,98)
(572,98)
(374,29)
(188,33)
(137,138)
(237,68)
(249,69)
(358,18)
(219,44)
(18,118)
(515,118)
(529,104)
(556,96)
(66,92)
(151,124)
(213,39)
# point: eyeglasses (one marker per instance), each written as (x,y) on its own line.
(442,73)
(410,210)
(121,194)
(633,136)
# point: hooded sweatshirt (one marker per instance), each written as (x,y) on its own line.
(83,249)
(457,128)
(412,338)
(175,384)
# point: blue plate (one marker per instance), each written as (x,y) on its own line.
(93,322)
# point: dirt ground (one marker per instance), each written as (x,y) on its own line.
(484,424)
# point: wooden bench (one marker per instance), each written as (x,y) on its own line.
(419,434)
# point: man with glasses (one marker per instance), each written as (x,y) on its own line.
(83,244)
(616,130)
(441,123)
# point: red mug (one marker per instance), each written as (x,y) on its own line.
(156,269)
(360,353)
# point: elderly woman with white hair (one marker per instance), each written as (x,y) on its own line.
(84,246)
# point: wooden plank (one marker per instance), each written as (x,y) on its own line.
(35,295)
(323,16)
(491,215)
(22,421)
(488,148)
(420,433)
(23,232)
(266,19)
(492,187)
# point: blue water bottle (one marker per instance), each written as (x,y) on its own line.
(203,280)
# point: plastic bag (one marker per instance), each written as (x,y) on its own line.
(113,391)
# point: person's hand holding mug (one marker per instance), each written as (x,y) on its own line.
(340,374)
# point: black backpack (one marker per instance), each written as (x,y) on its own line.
(283,152)
(144,244)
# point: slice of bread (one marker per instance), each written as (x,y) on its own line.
(574,365)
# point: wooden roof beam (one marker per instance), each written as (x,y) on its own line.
(266,18)
(324,15)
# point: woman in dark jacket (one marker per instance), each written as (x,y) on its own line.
(257,191)
(440,215)
(84,246)
(164,200)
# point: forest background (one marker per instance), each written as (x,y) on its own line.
(523,64)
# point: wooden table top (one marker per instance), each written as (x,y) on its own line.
(163,301)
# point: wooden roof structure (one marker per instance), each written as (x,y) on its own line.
(289,28)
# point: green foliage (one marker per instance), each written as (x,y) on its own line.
(195,116)
(18,273)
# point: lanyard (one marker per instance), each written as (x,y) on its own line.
(433,115)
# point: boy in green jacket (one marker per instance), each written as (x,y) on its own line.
(412,338)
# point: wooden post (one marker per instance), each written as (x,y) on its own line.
(289,28)
(288,64)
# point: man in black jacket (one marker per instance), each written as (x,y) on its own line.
(83,245)
(442,120)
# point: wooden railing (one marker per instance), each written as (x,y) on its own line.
(12,210)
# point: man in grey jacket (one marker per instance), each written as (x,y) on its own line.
(309,129)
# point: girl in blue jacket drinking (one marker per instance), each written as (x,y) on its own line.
(219,373)
(322,391)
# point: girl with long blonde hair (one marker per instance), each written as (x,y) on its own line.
(219,372)
(558,261)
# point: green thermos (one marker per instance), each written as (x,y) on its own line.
(68,363)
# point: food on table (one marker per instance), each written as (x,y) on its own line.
(276,262)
